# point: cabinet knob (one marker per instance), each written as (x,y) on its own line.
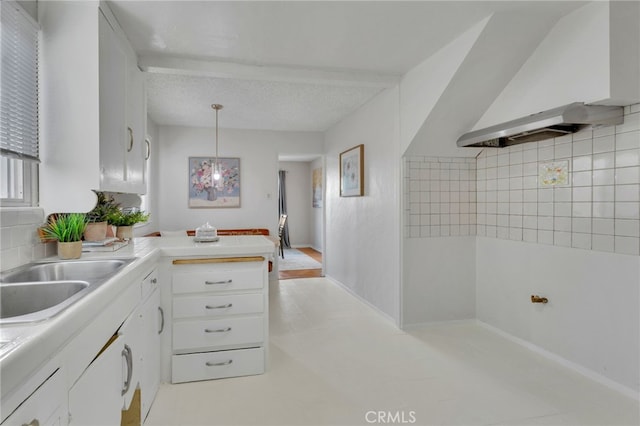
(154,281)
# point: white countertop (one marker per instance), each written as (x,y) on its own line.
(31,345)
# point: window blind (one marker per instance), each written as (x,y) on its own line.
(18,83)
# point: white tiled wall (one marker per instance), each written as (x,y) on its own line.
(440,196)
(19,242)
(599,208)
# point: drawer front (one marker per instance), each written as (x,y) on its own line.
(215,306)
(219,277)
(149,284)
(218,333)
(217,365)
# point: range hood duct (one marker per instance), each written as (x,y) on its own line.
(544,125)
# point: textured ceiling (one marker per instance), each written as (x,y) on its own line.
(288,65)
(249,104)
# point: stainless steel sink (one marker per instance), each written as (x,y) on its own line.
(84,270)
(39,291)
(36,301)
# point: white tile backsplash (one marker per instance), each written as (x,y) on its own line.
(598,210)
(19,241)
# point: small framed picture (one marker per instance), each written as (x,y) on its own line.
(352,172)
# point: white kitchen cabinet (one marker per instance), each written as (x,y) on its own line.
(96,398)
(219,318)
(136,148)
(108,385)
(92,92)
(122,113)
(113,97)
(152,317)
(46,406)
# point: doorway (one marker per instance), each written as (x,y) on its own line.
(304,206)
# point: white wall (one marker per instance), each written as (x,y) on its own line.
(624,43)
(570,65)
(363,233)
(258,152)
(298,187)
(438,280)
(592,317)
(422,86)
(317,213)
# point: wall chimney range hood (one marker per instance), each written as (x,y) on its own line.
(544,125)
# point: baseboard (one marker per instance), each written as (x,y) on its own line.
(366,302)
(590,374)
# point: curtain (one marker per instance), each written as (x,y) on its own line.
(282,206)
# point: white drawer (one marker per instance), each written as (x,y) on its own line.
(149,284)
(218,277)
(214,306)
(217,333)
(217,365)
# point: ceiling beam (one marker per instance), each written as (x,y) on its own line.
(289,74)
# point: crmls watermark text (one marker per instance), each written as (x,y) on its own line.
(390,417)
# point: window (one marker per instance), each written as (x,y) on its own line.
(18,106)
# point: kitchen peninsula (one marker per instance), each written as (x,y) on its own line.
(181,311)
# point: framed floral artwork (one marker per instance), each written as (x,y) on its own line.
(352,172)
(205,192)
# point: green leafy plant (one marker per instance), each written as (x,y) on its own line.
(66,227)
(127,218)
(105,207)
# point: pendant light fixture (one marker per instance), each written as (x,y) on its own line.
(216,166)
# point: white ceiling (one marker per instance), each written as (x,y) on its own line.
(288,65)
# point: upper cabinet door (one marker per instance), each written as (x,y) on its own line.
(113,129)
(136,149)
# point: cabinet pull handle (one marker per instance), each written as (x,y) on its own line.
(219,330)
(161,320)
(218,364)
(146,141)
(128,356)
(36,422)
(130,130)
(218,282)
(228,305)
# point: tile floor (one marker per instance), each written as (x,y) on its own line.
(335,361)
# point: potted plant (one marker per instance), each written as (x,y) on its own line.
(125,219)
(98,218)
(67,229)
